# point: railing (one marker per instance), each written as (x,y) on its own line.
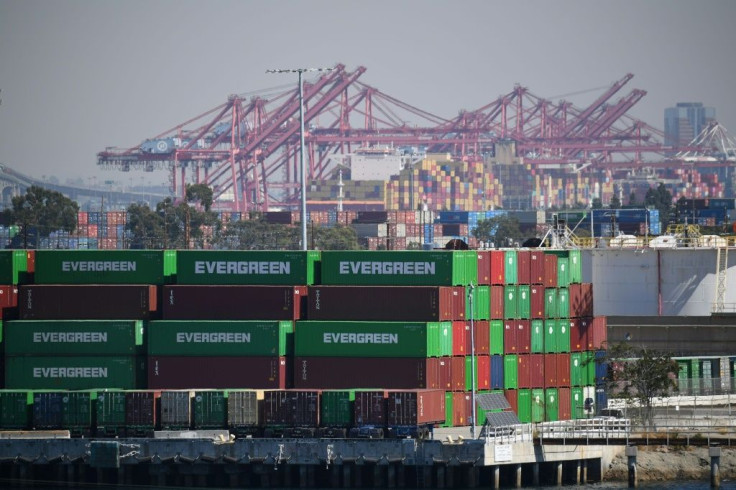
(508,434)
(595,428)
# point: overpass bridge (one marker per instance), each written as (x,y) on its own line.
(14,183)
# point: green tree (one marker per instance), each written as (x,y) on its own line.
(615,202)
(259,235)
(597,203)
(503,231)
(334,238)
(146,227)
(638,374)
(632,200)
(661,199)
(44,210)
(200,193)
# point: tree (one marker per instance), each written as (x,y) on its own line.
(146,227)
(259,235)
(615,202)
(43,209)
(503,231)
(639,374)
(632,199)
(597,203)
(661,199)
(200,193)
(335,238)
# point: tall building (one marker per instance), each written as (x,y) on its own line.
(685,121)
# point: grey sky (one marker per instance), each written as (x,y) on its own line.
(78,76)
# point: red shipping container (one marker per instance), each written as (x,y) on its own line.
(257,373)
(87,301)
(484,268)
(31,261)
(462,409)
(600,332)
(482,336)
(457,368)
(483,381)
(82,218)
(523,336)
(578,341)
(510,335)
(536,363)
(370,408)
(415,407)
(550,270)
(140,412)
(550,370)
(458,307)
(512,396)
(8,296)
(586,333)
(446,373)
(537,300)
(460,346)
(564,404)
(233,302)
(498,259)
(497,299)
(536,267)
(292,408)
(581,300)
(524,371)
(523,267)
(340,373)
(563,369)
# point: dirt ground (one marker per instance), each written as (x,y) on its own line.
(663,463)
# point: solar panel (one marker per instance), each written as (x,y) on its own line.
(501,419)
(492,401)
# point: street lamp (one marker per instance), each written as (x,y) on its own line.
(302,170)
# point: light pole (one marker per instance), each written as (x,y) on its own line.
(302,170)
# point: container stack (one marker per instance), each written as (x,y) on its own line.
(550,336)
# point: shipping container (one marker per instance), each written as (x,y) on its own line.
(551,303)
(482,372)
(551,335)
(498,274)
(74,372)
(497,335)
(575,266)
(563,303)
(591,369)
(209,409)
(336,373)
(336,408)
(581,300)
(141,412)
(523,308)
(577,404)
(220,338)
(578,334)
(73,337)
(175,373)
(415,407)
(373,339)
(563,272)
(497,376)
(538,405)
(176,409)
(563,335)
(243,411)
(510,337)
(563,369)
(480,299)
(512,396)
(445,373)
(8,298)
(523,267)
(462,409)
(537,302)
(601,367)
(100,267)
(523,371)
(290,409)
(577,372)
(510,267)
(510,372)
(564,404)
(70,410)
(15,409)
(460,341)
(110,413)
(510,302)
(550,270)
(537,336)
(484,267)
(524,406)
(370,408)
(552,405)
(523,337)
(398,303)
(497,302)
(599,329)
(482,341)
(397,268)
(87,302)
(550,371)
(536,267)
(536,362)
(13,266)
(247,267)
(233,302)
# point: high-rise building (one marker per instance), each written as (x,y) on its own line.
(685,121)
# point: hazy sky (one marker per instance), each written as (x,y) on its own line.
(79,76)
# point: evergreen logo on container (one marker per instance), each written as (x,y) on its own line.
(360,338)
(387,268)
(242,267)
(98,266)
(70,372)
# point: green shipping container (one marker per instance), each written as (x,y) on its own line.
(575,266)
(209,409)
(550,303)
(537,327)
(496,346)
(16,408)
(110,412)
(396,268)
(481,301)
(563,302)
(471,266)
(563,272)
(524,305)
(469,373)
(336,408)
(551,334)
(99,267)
(73,337)
(538,404)
(510,302)
(510,372)
(77,410)
(563,335)
(577,371)
(524,402)
(510,267)
(373,339)
(577,403)
(74,372)
(448,410)
(13,266)
(291,268)
(551,405)
(220,338)
(589,368)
